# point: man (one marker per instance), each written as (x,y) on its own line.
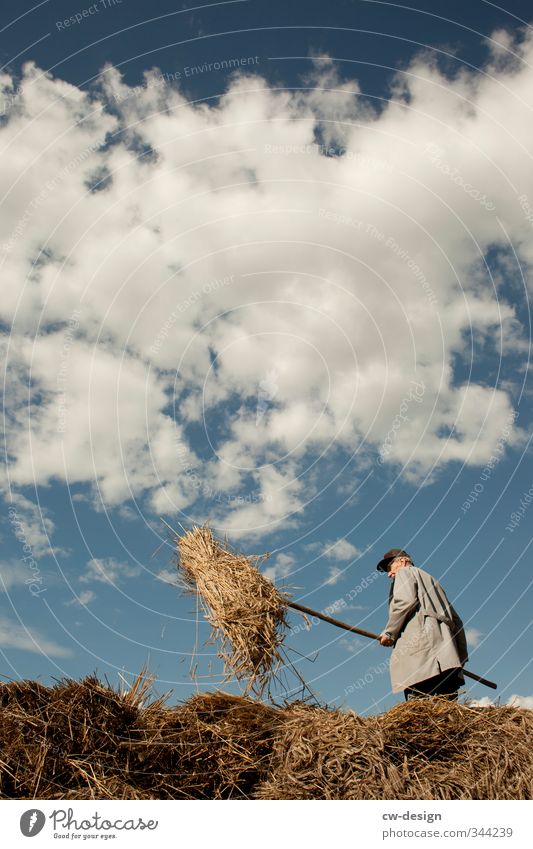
(425,630)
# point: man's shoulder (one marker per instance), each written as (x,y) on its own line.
(407,575)
(416,570)
(425,577)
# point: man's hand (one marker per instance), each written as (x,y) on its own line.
(386,640)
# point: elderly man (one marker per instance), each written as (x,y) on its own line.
(426,632)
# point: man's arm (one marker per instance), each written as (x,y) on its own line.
(404,601)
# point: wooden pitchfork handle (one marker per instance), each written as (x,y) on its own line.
(372,636)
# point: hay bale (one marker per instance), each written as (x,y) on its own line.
(61,739)
(214,746)
(423,749)
(246,612)
(324,754)
(455,751)
(83,740)
(225,745)
(23,725)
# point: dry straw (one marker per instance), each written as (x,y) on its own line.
(421,749)
(246,611)
(83,740)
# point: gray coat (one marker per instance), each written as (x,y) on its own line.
(428,633)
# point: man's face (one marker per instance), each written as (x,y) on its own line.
(396,564)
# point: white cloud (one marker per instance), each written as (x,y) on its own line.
(13,636)
(351,643)
(513,701)
(334,575)
(281,567)
(107,570)
(521,701)
(30,523)
(341,549)
(168,576)
(13,574)
(161,302)
(473,636)
(84,598)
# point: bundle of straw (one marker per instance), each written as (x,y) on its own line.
(455,751)
(246,612)
(226,742)
(320,753)
(422,749)
(64,740)
(83,740)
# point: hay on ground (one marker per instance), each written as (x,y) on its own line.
(323,754)
(83,740)
(460,752)
(246,612)
(222,747)
(61,739)
(422,749)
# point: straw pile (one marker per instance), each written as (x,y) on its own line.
(425,749)
(60,741)
(325,754)
(246,612)
(224,745)
(83,740)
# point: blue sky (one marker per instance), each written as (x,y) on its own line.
(265,265)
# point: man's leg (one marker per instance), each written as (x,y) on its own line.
(451,680)
(445,684)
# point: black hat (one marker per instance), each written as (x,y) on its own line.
(389,556)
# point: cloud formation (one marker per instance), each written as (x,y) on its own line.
(214,302)
(108,570)
(473,636)
(13,636)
